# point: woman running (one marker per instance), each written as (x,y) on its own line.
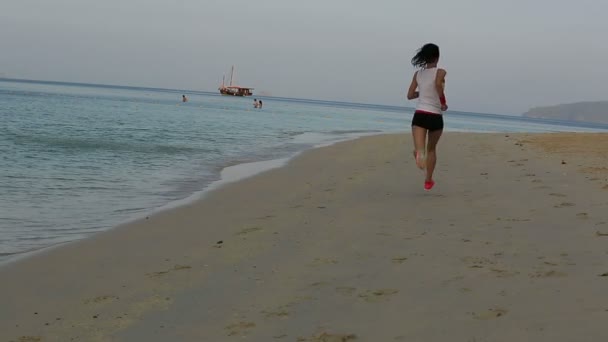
(427,86)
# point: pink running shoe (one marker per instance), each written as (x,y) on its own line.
(428,185)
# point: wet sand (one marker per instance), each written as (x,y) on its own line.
(343,244)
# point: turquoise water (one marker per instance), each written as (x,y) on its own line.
(77,159)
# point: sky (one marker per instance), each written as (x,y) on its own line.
(501,56)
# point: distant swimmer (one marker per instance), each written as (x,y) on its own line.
(260,104)
(184,98)
(428,85)
(256,104)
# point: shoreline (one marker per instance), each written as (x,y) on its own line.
(342,241)
(237,173)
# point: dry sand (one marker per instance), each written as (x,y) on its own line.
(343,244)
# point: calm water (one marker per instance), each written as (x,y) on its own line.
(77,159)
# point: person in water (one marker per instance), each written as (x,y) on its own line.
(256,104)
(184,98)
(428,86)
(260,104)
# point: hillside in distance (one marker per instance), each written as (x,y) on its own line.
(596,112)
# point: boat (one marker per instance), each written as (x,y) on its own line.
(233,90)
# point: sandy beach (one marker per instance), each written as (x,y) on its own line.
(343,244)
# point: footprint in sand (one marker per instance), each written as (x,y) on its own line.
(265,217)
(29,339)
(582,215)
(542,187)
(512,219)
(240,328)
(327,337)
(319,284)
(477,262)
(548,274)
(500,273)
(101,299)
(377,295)
(323,261)
(452,280)
(279,313)
(162,273)
(249,230)
(555,194)
(563,205)
(399,260)
(490,314)
(345,290)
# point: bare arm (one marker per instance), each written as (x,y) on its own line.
(440,86)
(412,93)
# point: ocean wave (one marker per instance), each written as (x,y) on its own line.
(96,144)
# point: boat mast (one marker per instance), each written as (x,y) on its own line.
(231,74)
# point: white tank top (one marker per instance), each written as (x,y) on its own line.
(428,99)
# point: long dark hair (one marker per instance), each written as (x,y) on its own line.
(429,53)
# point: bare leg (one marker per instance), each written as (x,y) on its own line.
(419,135)
(431,158)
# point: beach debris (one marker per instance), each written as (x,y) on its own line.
(604,274)
(563,162)
(598,233)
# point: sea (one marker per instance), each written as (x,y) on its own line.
(77,159)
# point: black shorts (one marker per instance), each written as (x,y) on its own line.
(432,122)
